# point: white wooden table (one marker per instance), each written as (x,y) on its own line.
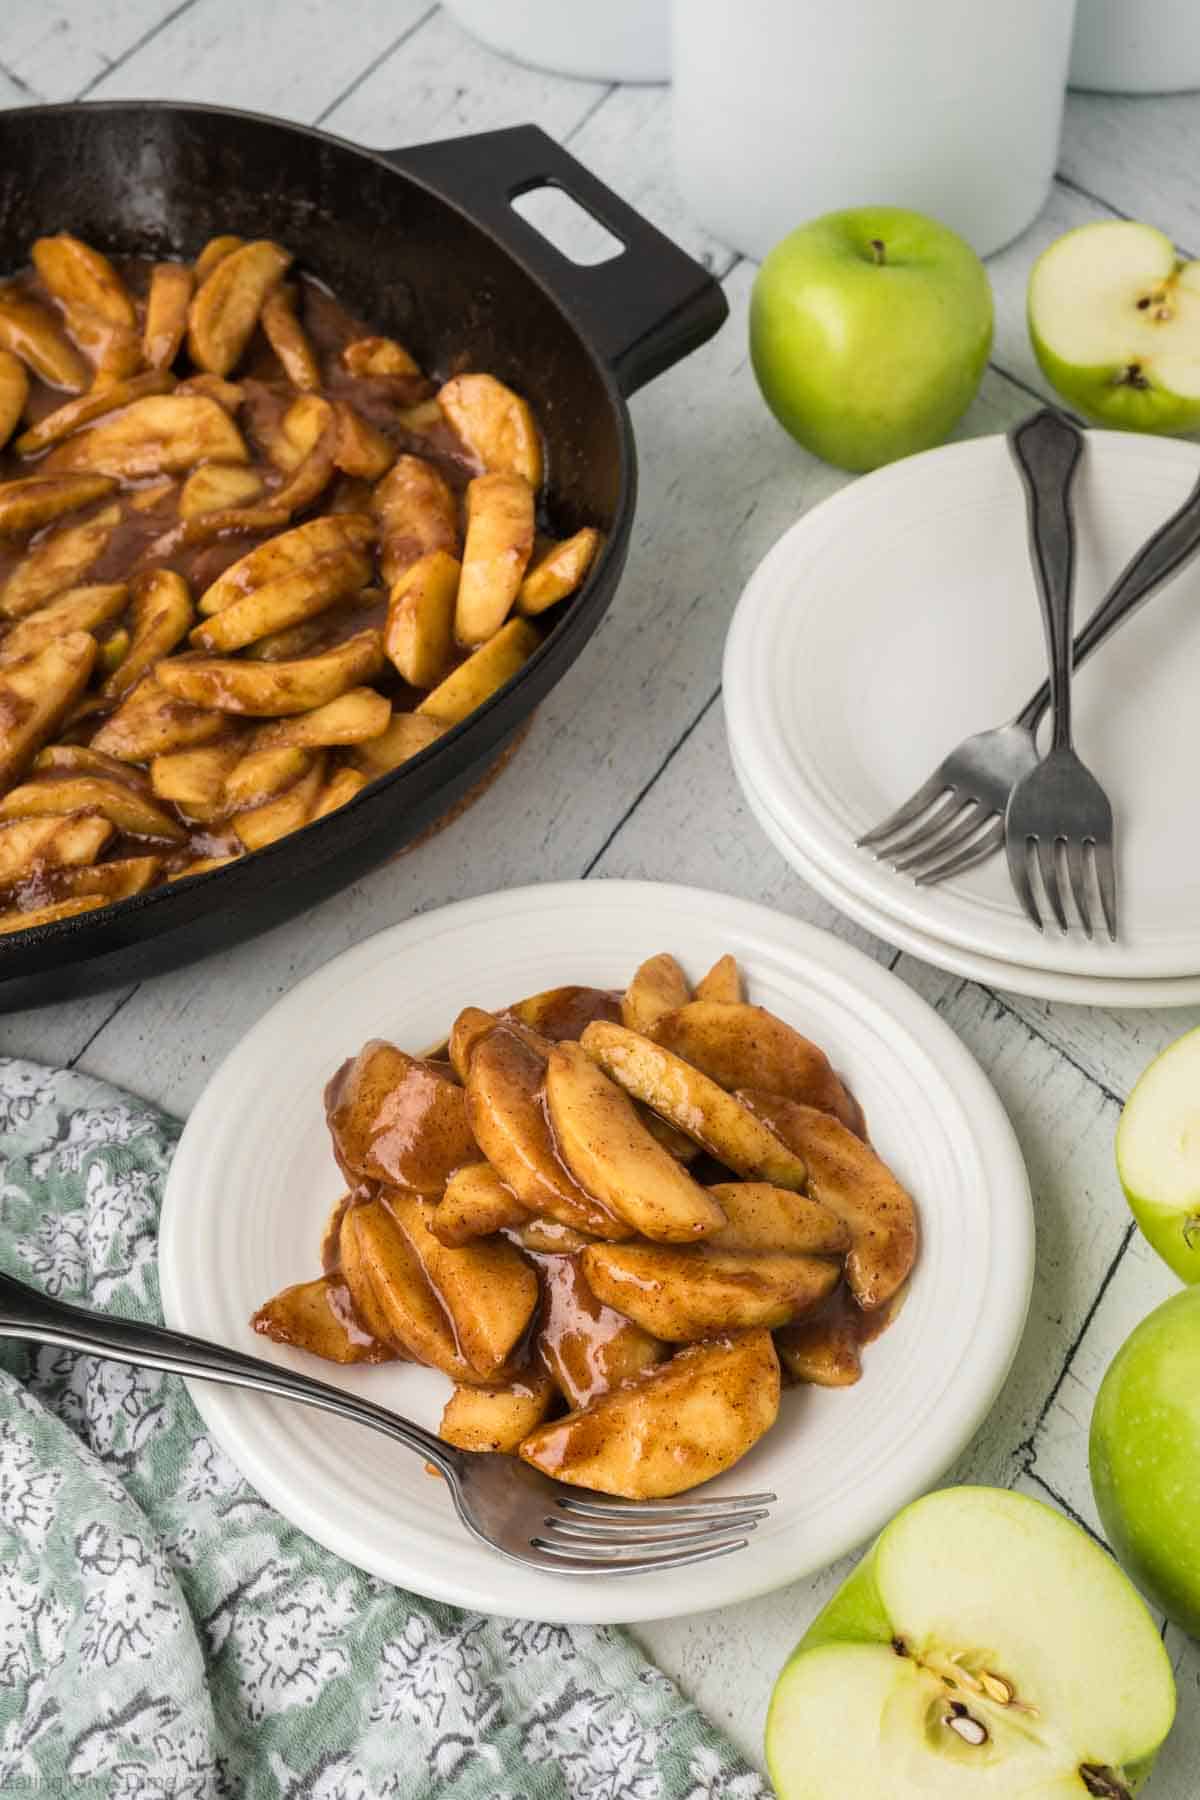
(625,772)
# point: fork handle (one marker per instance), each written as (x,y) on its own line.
(1172,547)
(25,1313)
(1046,449)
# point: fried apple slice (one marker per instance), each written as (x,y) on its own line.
(228,394)
(846,1176)
(293,552)
(507,1116)
(306,421)
(658,987)
(286,812)
(394,1118)
(79,609)
(405,737)
(340,1255)
(498,546)
(417,513)
(352,718)
(586,1345)
(57,562)
(419,636)
(288,338)
(378,356)
(37,499)
(31,332)
(294,597)
(824,1350)
(51,843)
(274,690)
(723,983)
(82,759)
(194,780)
(126,807)
(214,252)
(476,1203)
(495,424)
(203,865)
(26,920)
(161,435)
(488,1288)
(743,1046)
(228,302)
(115,880)
(82,280)
(563,1012)
(36,693)
(763,1217)
(317,1316)
(378,1260)
(150,722)
(14,391)
(167,303)
(361,449)
(685,1292)
(218,487)
(611,1154)
(160,614)
(468,1031)
(261,774)
(54,426)
(496,1419)
(559,572)
(477,679)
(670,1428)
(339,790)
(694,1104)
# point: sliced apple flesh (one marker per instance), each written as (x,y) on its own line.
(985,1646)
(1158,1155)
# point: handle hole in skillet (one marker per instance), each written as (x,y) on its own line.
(566,223)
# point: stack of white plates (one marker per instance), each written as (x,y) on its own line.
(901,616)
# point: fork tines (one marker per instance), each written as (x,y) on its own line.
(628,1537)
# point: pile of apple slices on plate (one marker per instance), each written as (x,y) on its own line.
(617,1222)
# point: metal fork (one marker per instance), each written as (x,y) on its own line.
(1058,804)
(519,1512)
(956,819)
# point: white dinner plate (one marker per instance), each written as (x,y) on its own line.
(900,616)
(1010,978)
(253,1181)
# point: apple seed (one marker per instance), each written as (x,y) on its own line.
(970,1729)
(1191,1230)
(996,1688)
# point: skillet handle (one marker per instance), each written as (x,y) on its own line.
(643,310)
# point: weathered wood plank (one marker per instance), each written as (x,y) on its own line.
(1138,153)
(56,50)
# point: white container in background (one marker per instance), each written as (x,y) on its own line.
(1137,46)
(784,109)
(602,40)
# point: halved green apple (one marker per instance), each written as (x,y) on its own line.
(1114,316)
(984,1647)
(1158,1155)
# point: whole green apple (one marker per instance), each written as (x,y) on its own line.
(984,1649)
(1145,1457)
(1158,1154)
(869,333)
(1114,316)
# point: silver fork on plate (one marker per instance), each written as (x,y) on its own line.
(521,1513)
(956,818)
(1058,805)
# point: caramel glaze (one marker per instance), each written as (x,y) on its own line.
(379,399)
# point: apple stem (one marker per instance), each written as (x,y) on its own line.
(1102,1783)
(879,251)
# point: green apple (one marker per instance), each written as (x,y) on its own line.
(1145,1457)
(869,333)
(984,1649)
(1115,320)
(1158,1155)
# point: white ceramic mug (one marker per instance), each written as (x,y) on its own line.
(1137,46)
(603,40)
(785,109)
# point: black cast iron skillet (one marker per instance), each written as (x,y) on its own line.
(424,243)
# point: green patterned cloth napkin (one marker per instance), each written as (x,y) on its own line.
(164,1635)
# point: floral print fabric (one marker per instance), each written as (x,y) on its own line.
(164,1635)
